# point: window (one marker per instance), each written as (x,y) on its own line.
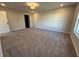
(76,29)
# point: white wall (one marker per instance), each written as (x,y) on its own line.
(4,27)
(16,20)
(56,20)
(74,38)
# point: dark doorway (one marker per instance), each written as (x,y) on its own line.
(27,23)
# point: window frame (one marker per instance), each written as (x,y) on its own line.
(76,25)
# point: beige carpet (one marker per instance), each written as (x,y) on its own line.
(37,43)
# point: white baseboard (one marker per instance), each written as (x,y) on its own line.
(74,45)
(17,28)
(51,29)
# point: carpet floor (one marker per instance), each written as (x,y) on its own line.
(35,42)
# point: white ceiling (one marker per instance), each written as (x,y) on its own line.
(43,5)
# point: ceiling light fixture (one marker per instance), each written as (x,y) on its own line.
(61,5)
(32,5)
(2,4)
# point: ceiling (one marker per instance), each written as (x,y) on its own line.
(43,5)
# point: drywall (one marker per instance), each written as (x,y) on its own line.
(74,38)
(16,20)
(4,26)
(56,20)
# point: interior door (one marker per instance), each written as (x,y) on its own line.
(4,26)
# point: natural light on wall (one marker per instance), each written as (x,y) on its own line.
(3,18)
(76,29)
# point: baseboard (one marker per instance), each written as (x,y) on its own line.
(74,46)
(17,29)
(51,29)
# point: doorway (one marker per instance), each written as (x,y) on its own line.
(27,21)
